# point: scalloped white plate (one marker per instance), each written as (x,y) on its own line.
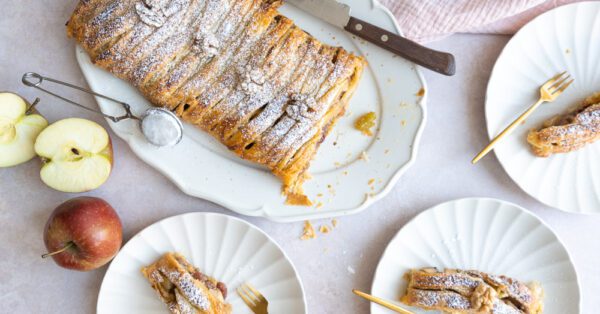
(227,248)
(483,234)
(201,167)
(566,38)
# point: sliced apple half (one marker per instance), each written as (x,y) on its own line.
(18,130)
(77,155)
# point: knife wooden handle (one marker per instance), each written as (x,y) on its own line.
(437,61)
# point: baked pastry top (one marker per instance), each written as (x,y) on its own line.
(460,291)
(184,289)
(569,132)
(237,69)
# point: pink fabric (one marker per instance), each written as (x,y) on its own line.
(427,20)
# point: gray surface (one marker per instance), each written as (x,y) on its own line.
(32,39)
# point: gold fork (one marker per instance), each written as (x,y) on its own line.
(548,93)
(382,302)
(253,299)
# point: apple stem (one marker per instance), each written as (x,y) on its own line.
(66,247)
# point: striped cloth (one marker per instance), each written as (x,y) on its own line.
(427,20)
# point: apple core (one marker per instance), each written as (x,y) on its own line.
(7,131)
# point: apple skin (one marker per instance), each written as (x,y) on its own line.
(94,228)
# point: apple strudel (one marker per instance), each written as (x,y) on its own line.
(458,291)
(184,289)
(569,132)
(236,69)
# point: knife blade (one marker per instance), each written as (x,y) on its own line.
(339,15)
(332,12)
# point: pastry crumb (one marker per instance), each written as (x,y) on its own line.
(365,123)
(364,156)
(324,229)
(330,189)
(403,122)
(319,205)
(351,270)
(371,181)
(334,222)
(308,231)
(421,92)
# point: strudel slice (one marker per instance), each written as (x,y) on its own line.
(236,69)
(458,291)
(184,289)
(569,132)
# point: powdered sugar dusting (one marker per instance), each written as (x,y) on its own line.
(517,290)
(500,307)
(156,276)
(107,13)
(156,12)
(450,300)
(452,280)
(588,120)
(152,16)
(301,107)
(206,43)
(185,284)
(183,305)
(253,80)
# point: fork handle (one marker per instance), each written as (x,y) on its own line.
(441,62)
(507,131)
(382,302)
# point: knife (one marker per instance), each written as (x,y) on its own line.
(338,14)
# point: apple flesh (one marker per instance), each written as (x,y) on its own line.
(18,130)
(83,234)
(77,155)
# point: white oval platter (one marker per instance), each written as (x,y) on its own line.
(489,235)
(342,182)
(221,246)
(564,39)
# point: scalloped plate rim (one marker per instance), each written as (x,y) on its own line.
(208,214)
(388,247)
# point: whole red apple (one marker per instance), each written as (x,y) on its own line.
(83,233)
